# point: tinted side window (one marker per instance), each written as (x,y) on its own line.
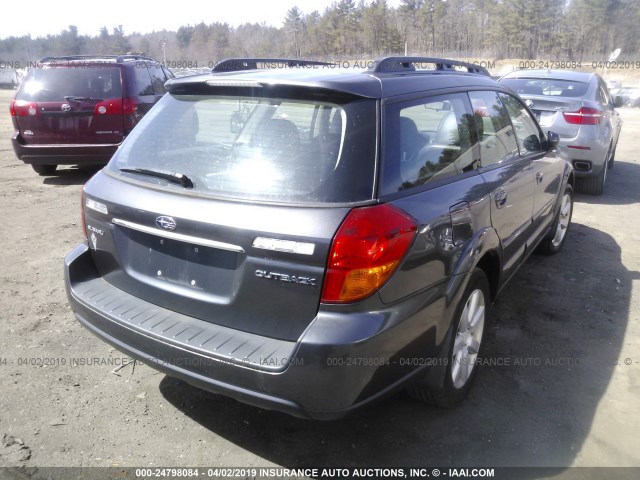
(157,79)
(604,96)
(427,139)
(526,129)
(142,82)
(497,140)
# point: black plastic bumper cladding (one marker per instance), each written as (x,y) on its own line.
(80,154)
(343,361)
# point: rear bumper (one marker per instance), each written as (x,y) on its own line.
(63,154)
(342,362)
(586,163)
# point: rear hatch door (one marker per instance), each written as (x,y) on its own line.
(257,269)
(71,104)
(224,208)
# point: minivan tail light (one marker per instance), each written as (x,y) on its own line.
(129,106)
(584,116)
(111,106)
(23,108)
(366,250)
(131,115)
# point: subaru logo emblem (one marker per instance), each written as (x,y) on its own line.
(65,107)
(166,223)
(529,103)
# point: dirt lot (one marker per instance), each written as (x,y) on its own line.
(568,327)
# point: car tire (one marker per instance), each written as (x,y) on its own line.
(612,159)
(554,241)
(595,185)
(43,170)
(467,333)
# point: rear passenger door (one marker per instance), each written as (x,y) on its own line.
(547,169)
(509,177)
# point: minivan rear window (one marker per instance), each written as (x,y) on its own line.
(253,148)
(96,82)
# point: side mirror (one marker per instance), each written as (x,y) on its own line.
(552,140)
(618,102)
(531,143)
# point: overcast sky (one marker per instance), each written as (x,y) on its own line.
(42,17)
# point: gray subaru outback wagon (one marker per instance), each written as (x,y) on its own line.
(309,239)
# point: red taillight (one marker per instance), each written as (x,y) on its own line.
(23,108)
(584,116)
(129,106)
(84,221)
(131,115)
(365,251)
(112,106)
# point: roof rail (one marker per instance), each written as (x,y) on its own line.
(117,58)
(408,64)
(238,64)
(74,57)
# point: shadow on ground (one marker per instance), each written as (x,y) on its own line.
(70,176)
(621,187)
(557,330)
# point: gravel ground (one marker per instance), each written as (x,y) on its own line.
(566,329)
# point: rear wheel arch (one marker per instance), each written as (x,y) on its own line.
(484,253)
(572,180)
(462,346)
(490,264)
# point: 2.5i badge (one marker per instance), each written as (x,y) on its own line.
(93,238)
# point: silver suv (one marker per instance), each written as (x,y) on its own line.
(580,109)
(309,239)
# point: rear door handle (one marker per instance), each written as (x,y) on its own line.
(501,198)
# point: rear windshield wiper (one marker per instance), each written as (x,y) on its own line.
(174,177)
(72,98)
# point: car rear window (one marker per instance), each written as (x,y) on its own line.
(546,86)
(50,84)
(270,149)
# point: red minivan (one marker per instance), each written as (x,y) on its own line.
(76,110)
